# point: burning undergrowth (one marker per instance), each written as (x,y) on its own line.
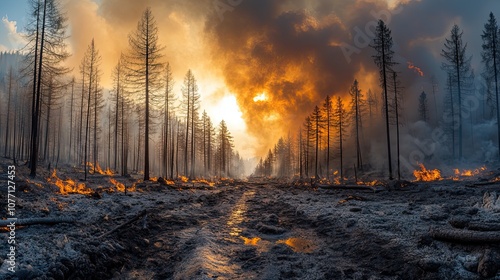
(430,175)
(68,186)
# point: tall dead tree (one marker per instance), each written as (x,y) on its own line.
(168,107)
(72,83)
(328,117)
(90,63)
(396,114)
(46,50)
(10,79)
(490,53)
(307,144)
(317,119)
(457,64)
(356,112)
(383,58)
(144,63)
(191,102)
(340,115)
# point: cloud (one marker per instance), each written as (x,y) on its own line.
(16,39)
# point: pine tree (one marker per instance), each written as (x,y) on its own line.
(191,102)
(328,117)
(397,98)
(490,58)
(458,65)
(90,63)
(340,115)
(308,132)
(317,120)
(356,112)
(422,107)
(145,69)
(384,61)
(46,51)
(168,109)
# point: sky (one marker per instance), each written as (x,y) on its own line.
(262,65)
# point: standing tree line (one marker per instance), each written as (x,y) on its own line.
(140,126)
(313,154)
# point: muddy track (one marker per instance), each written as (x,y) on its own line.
(236,233)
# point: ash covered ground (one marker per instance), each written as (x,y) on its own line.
(253,229)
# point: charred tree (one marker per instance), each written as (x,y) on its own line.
(340,115)
(457,64)
(422,107)
(168,107)
(144,63)
(317,119)
(385,62)
(328,115)
(46,50)
(90,63)
(356,112)
(490,57)
(396,114)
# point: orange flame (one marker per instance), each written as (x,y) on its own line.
(69,186)
(371,183)
(251,241)
(119,186)
(203,181)
(467,172)
(98,169)
(169,182)
(415,68)
(427,175)
(184,179)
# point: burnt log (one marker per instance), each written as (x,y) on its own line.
(465,236)
(37,221)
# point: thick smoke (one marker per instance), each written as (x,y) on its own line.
(280,58)
(288,50)
(292,52)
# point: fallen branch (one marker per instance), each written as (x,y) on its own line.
(133,219)
(478,226)
(465,236)
(37,221)
(481,184)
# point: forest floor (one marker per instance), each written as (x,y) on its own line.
(251,229)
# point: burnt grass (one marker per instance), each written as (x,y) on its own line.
(193,232)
